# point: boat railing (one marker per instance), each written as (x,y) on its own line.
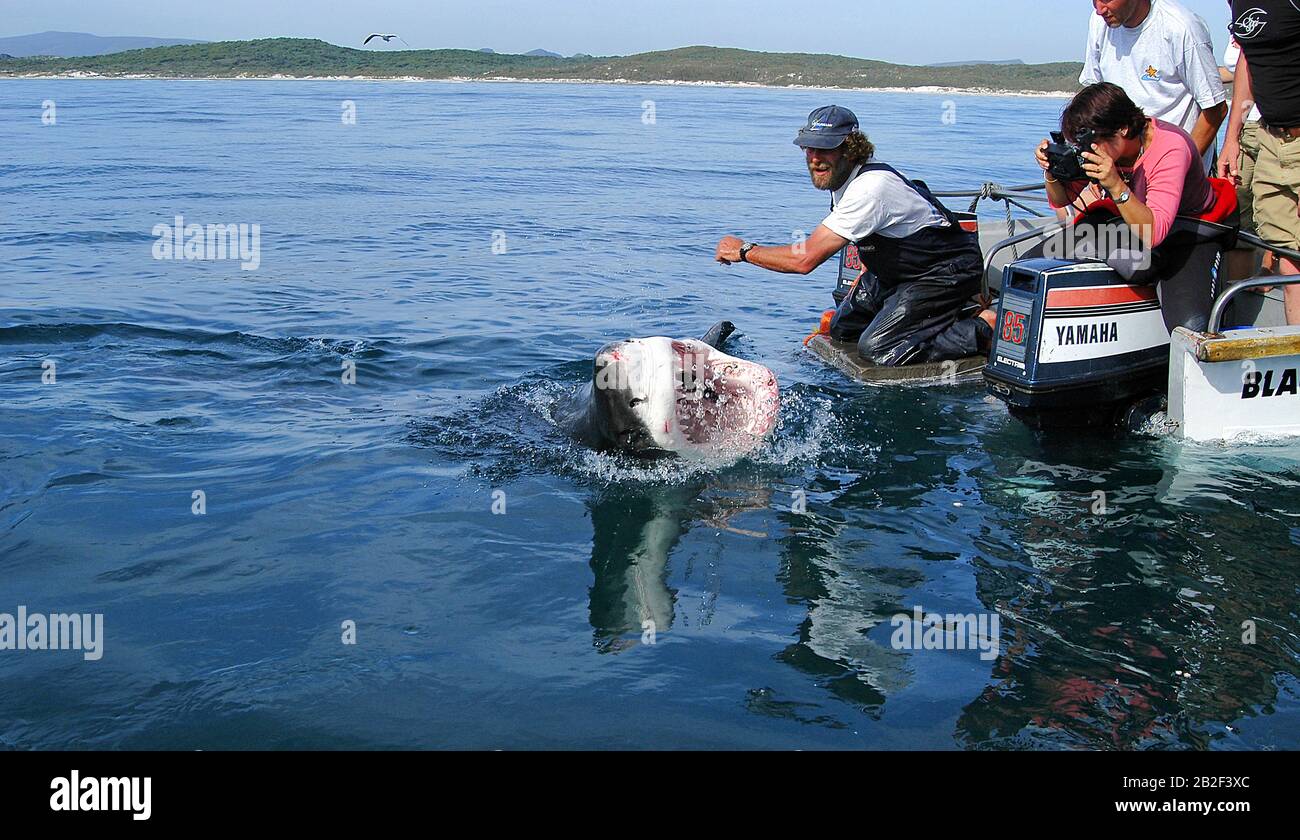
(1258,282)
(1013,196)
(992,191)
(1045,230)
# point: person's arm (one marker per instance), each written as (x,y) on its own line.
(1138,215)
(1242,96)
(800,258)
(1165,171)
(1207,126)
(1201,74)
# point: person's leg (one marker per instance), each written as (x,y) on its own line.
(920,321)
(1289,267)
(1187,289)
(971,336)
(1243,262)
(1277,205)
(856,311)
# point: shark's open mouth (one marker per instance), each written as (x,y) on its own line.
(722,401)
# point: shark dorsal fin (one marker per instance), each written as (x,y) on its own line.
(718,333)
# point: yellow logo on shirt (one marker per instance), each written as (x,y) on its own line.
(1151,74)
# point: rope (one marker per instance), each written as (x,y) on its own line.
(967,193)
(994,192)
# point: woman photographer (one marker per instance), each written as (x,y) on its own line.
(1152,171)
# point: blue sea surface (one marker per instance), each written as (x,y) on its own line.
(464,248)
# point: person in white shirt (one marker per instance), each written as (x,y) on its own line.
(916,273)
(1161,54)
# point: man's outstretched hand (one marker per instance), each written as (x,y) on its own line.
(729,250)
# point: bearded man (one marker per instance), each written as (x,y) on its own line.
(918,271)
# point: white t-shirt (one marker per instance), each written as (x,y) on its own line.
(879,202)
(1166,64)
(1231,55)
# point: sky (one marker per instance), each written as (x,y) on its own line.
(907,32)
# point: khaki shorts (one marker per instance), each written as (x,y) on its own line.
(1276,188)
(1246,170)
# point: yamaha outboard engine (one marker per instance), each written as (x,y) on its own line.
(1081,342)
(1076,345)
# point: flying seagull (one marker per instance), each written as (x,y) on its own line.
(387,38)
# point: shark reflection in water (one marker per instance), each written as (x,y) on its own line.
(846,595)
(635,531)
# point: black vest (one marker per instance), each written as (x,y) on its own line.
(933,253)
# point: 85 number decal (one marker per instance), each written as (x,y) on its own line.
(1013,327)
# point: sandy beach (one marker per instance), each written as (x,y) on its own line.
(925,89)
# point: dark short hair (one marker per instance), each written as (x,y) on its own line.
(1106,109)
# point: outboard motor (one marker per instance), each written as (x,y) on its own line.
(1076,345)
(1082,342)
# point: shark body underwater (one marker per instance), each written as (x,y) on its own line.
(658,396)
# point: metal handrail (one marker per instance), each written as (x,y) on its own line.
(1282,251)
(1221,302)
(1045,230)
(1041,198)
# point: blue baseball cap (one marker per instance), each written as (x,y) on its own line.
(826,128)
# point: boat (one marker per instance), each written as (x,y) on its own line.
(1083,343)
(844,356)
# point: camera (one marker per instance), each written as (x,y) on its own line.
(1065,160)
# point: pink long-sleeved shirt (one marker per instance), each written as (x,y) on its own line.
(1168,178)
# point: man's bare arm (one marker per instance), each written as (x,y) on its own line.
(1242,97)
(1207,126)
(800,258)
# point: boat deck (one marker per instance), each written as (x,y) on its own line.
(844,357)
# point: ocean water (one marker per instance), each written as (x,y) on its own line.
(463,249)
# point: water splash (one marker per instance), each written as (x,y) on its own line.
(515,431)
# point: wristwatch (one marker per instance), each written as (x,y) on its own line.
(1123,197)
(745,249)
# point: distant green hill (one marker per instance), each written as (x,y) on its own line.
(80,43)
(309,57)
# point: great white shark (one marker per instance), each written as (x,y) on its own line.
(658,395)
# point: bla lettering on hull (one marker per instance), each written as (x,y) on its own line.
(1260,384)
(1087,333)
